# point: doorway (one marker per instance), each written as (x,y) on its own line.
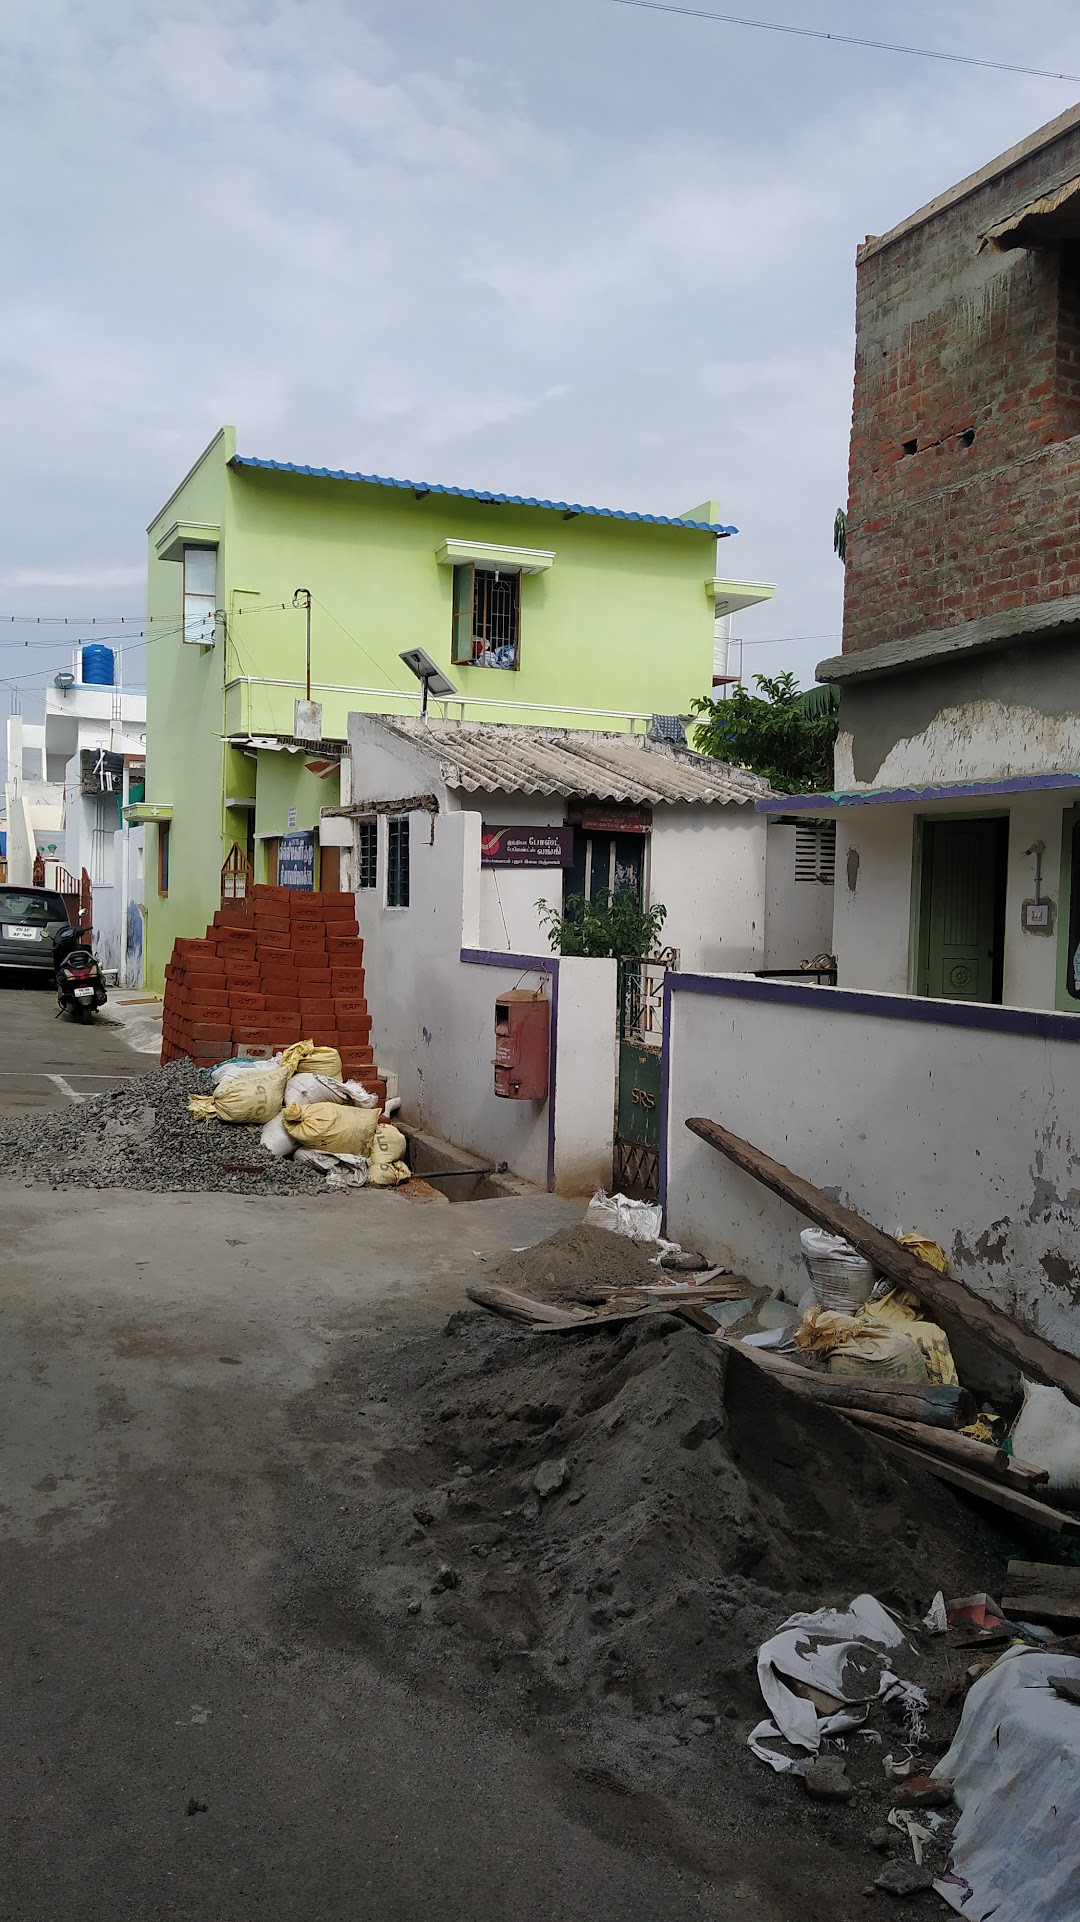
(605,863)
(962,909)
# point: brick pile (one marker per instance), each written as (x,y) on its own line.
(283,966)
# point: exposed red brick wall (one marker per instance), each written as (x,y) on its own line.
(973,356)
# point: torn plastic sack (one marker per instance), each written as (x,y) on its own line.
(277,1140)
(335,1129)
(243,1097)
(637,1220)
(860,1345)
(1014,1768)
(225,1070)
(360,1096)
(841,1278)
(387,1157)
(925,1250)
(1047,1431)
(841,1657)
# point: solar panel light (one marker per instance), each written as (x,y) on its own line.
(429,674)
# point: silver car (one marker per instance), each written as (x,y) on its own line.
(29,918)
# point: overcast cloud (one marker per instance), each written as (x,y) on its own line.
(544,246)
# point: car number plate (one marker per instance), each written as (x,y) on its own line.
(20,934)
(84,994)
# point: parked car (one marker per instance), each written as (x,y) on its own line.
(29,919)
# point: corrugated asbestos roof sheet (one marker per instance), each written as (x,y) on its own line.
(488,758)
(478,494)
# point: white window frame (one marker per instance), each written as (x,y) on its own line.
(200,605)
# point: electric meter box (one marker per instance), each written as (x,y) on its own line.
(522,1045)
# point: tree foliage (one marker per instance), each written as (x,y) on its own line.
(780,733)
(612,926)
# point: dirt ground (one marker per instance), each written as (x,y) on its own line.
(419,1614)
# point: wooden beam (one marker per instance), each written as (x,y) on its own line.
(980,1457)
(1011,1499)
(941,1406)
(1035,1357)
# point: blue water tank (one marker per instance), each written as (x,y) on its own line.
(98,665)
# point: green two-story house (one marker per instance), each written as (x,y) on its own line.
(282,597)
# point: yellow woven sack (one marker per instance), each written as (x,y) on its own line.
(861,1345)
(904,1310)
(386,1158)
(255,1096)
(313,1060)
(334,1130)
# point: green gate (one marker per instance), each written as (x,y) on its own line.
(636,1159)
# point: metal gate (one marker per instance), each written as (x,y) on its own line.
(636,1160)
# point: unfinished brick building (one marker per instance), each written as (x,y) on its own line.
(958,763)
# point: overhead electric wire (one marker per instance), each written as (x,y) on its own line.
(845,39)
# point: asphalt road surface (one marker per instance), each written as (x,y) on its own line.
(171,1753)
(46,1061)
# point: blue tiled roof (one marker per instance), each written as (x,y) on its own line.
(476,494)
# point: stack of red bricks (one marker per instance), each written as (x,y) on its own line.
(280,967)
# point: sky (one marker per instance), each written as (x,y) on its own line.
(568,248)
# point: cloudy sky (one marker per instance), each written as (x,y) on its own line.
(563,247)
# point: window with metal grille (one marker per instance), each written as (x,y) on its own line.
(815,851)
(487,618)
(367,854)
(397,861)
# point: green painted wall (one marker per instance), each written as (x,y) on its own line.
(620,625)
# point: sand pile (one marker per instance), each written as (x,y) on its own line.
(577,1265)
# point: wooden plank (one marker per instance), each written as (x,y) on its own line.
(980,1457)
(546,1316)
(1035,1357)
(1010,1499)
(1042,1592)
(939,1406)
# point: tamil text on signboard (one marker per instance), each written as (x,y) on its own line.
(296,860)
(526,847)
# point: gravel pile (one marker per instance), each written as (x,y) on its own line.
(140,1135)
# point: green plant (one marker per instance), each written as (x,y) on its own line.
(839,535)
(782,733)
(611,926)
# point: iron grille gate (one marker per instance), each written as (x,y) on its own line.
(636,1159)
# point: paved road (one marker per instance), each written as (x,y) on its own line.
(46,1060)
(149,1350)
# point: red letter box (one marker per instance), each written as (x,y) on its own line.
(522,1020)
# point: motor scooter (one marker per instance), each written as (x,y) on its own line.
(80,986)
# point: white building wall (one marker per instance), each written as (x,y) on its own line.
(972,741)
(433,1018)
(963,1132)
(873,898)
(798,914)
(707,866)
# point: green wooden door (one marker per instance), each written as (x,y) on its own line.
(963,909)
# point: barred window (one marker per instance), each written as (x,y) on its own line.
(397,861)
(367,854)
(487,618)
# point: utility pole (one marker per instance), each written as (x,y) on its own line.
(302,598)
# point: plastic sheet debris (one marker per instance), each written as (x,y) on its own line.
(636,1220)
(936,1619)
(1015,1771)
(840,1655)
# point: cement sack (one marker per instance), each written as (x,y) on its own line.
(637,1220)
(1047,1431)
(277,1140)
(313,1060)
(243,1097)
(1014,1767)
(334,1129)
(341,1171)
(903,1310)
(387,1157)
(841,1278)
(306,1088)
(359,1095)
